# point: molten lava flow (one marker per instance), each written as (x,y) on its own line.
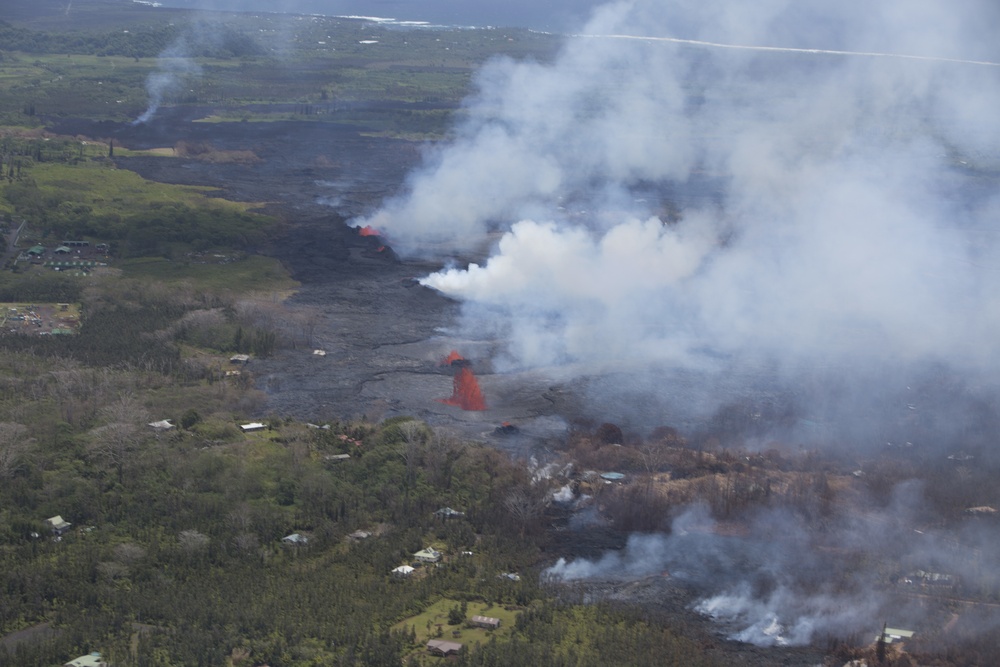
(368,230)
(452,358)
(466,393)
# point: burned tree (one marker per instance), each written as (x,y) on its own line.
(14,446)
(525,504)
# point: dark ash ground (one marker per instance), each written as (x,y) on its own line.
(384,336)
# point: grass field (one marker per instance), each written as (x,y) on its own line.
(108,190)
(435,617)
(254,273)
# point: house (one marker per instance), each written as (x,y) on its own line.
(36,251)
(58,524)
(402,571)
(336,457)
(511,576)
(448,513)
(92,660)
(62,250)
(252,426)
(428,555)
(360,535)
(295,539)
(239,359)
(319,353)
(890,635)
(443,648)
(487,622)
(162,425)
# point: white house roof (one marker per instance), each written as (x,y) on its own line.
(92,660)
(253,426)
(58,522)
(402,569)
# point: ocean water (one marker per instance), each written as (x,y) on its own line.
(550,16)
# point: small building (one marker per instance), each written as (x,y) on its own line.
(252,426)
(443,648)
(402,571)
(487,622)
(359,535)
(933,579)
(510,576)
(448,513)
(319,353)
(890,635)
(239,359)
(162,425)
(91,660)
(58,524)
(336,457)
(295,539)
(62,250)
(428,555)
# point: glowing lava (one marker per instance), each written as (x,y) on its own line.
(466,393)
(368,230)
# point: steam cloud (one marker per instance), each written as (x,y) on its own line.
(784,583)
(826,203)
(796,201)
(174,68)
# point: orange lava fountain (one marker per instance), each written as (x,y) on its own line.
(466,393)
(368,230)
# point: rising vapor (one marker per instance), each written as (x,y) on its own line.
(174,67)
(806,189)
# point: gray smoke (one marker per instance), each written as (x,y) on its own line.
(174,68)
(797,187)
(784,582)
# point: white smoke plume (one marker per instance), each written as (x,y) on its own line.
(174,68)
(177,67)
(668,186)
(784,583)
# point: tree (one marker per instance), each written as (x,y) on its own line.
(525,505)
(14,446)
(609,434)
(117,442)
(880,647)
(455,616)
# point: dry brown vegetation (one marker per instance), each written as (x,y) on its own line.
(206,152)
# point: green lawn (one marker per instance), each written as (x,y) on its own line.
(254,273)
(427,623)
